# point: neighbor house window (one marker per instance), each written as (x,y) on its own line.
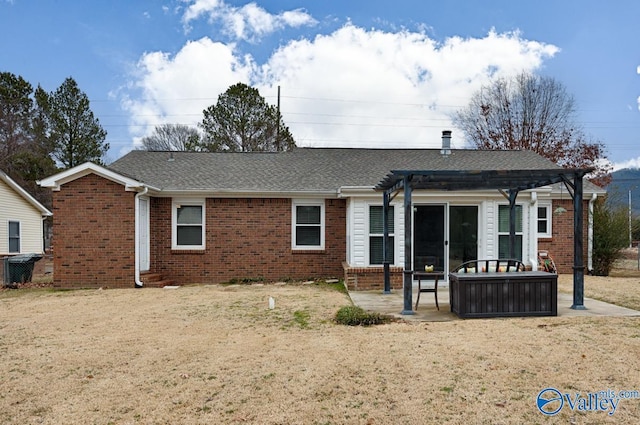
(14,237)
(376,235)
(188,224)
(544,221)
(308,225)
(503,232)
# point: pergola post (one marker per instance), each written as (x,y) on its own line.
(407,283)
(578,260)
(385,242)
(512,223)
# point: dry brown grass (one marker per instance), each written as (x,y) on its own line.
(219,355)
(622,287)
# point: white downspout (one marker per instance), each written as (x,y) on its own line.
(533,231)
(590,234)
(139,283)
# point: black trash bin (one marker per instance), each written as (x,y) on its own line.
(21,267)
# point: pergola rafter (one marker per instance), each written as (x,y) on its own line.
(509,182)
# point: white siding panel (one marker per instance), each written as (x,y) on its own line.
(526,231)
(14,207)
(399,240)
(491,226)
(358,256)
(359,240)
(487,224)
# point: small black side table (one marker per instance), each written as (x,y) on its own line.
(435,276)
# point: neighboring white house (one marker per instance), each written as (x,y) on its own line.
(21,219)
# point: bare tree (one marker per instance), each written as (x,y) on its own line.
(172,137)
(535,113)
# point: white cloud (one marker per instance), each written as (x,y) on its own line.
(199,8)
(353,87)
(380,89)
(631,163)
(177,89)
(249,22)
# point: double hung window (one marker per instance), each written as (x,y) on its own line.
(188,224)
(14,237)
(544,221)
(503,232)
(376,234)
(308,225)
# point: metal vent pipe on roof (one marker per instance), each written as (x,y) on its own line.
(446,143)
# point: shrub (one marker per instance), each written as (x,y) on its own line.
(610,236)
(356,316)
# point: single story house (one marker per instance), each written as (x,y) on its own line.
(193,217)
(21,221)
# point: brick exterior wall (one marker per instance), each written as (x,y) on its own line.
(247,239)
(93,234)
(560,246)
(94,228)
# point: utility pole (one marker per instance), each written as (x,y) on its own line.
(630,237)
(278,124)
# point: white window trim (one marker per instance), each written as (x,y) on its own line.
(549,220)
(9,237)
(369,235)
(307,202)
(175,204)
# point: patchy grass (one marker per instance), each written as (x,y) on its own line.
(356,316)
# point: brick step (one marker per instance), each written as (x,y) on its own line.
(155,280)
(159,283)
(150,277)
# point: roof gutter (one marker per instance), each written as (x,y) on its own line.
(139,283)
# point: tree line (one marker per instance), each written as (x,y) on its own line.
(240,121)
(43,132)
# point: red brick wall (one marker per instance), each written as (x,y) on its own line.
(369,278)
(93,234)
(560,246)
(247,239)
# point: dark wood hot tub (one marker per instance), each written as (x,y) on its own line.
(510,294)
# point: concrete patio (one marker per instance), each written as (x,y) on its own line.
(392,304)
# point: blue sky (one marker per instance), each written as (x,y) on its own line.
(352,73)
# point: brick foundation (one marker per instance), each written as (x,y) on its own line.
(371,278)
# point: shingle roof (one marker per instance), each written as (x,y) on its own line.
(306,169)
